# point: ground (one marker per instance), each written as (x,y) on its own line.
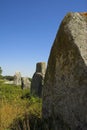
(17,104)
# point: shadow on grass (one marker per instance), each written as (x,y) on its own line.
(27,122)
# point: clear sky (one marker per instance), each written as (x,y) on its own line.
(28,29)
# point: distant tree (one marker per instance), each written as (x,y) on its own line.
(10,78)
(0,71)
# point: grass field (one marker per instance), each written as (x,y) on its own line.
(17,105)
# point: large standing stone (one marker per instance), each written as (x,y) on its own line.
(17,78)
(65,89)
(25,83)
(38,79)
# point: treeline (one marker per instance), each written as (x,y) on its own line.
(7,77)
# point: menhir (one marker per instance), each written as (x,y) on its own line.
(38,79)
(17,78)
(65,87)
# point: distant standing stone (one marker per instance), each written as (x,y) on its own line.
(17,78)
(25,83)
(41,68)
(38,79)
(37,84)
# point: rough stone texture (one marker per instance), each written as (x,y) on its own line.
(37,84)
(25,83)
(41,67)
(38,79)
(65,89)
(17,78)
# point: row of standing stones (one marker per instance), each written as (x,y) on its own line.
(37,82)
(22,81)
(64,94)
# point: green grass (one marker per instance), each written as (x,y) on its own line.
(9,92)
(17,105)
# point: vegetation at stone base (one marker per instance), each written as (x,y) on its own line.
(19,110)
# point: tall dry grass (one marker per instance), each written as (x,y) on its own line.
(14,104)
(8,112)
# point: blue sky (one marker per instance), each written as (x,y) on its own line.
(28,29)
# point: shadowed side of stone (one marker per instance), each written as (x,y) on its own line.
(65,87)
(37,84)
(38,79)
